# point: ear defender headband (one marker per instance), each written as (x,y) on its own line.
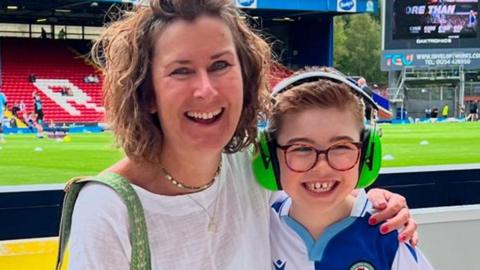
(265,162)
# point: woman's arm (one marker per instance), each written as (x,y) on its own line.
(392,208)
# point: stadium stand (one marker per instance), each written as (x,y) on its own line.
(278,72)
(55,67)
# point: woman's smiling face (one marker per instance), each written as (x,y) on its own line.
(198,84)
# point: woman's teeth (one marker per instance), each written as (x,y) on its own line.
(204,115)
(319,186)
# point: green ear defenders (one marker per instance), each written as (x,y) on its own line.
(370,157)
(265,162)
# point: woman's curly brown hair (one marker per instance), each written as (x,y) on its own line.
(124,52)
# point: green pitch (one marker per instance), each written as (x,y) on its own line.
(27,160)
(431,144)
(24,159)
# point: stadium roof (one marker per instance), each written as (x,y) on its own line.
(92,12)
(59,12)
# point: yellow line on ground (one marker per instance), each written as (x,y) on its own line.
(28,254)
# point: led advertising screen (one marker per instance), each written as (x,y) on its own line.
(440,19)
(430,33)
(419,24)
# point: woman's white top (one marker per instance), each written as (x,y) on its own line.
(178,226)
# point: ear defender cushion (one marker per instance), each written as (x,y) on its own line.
(265,163)
(370,158)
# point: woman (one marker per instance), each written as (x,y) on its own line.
(184,83)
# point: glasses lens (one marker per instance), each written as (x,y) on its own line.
(300,158)
(343,156)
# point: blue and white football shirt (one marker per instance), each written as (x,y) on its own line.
(350,244)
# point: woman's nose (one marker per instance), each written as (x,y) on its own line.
(204,88)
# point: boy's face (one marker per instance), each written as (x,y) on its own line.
(322,186)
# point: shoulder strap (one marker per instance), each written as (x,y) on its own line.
(138,229)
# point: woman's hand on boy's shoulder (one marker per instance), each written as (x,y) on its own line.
(392,208)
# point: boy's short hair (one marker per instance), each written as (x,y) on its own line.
(317,94)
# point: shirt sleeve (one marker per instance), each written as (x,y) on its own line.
(99,236)
(410,258)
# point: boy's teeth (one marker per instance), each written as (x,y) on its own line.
(320,186)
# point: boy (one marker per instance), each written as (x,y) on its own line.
(317,127)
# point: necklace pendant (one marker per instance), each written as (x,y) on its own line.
(212,227)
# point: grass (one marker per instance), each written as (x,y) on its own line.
(88,154)
(24,159)
(443,143)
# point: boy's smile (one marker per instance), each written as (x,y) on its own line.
(322,187)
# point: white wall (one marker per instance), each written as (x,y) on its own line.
(450,236)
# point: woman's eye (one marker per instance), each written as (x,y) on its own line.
(219,65)
(181,71)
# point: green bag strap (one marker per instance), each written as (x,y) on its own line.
(138,229)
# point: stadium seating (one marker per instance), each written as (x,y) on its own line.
(278,72)
(55,67)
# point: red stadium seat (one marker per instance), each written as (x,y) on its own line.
(47,59)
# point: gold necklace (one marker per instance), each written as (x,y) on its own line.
(184,186)
(212,225)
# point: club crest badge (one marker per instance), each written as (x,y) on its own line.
(362,266)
